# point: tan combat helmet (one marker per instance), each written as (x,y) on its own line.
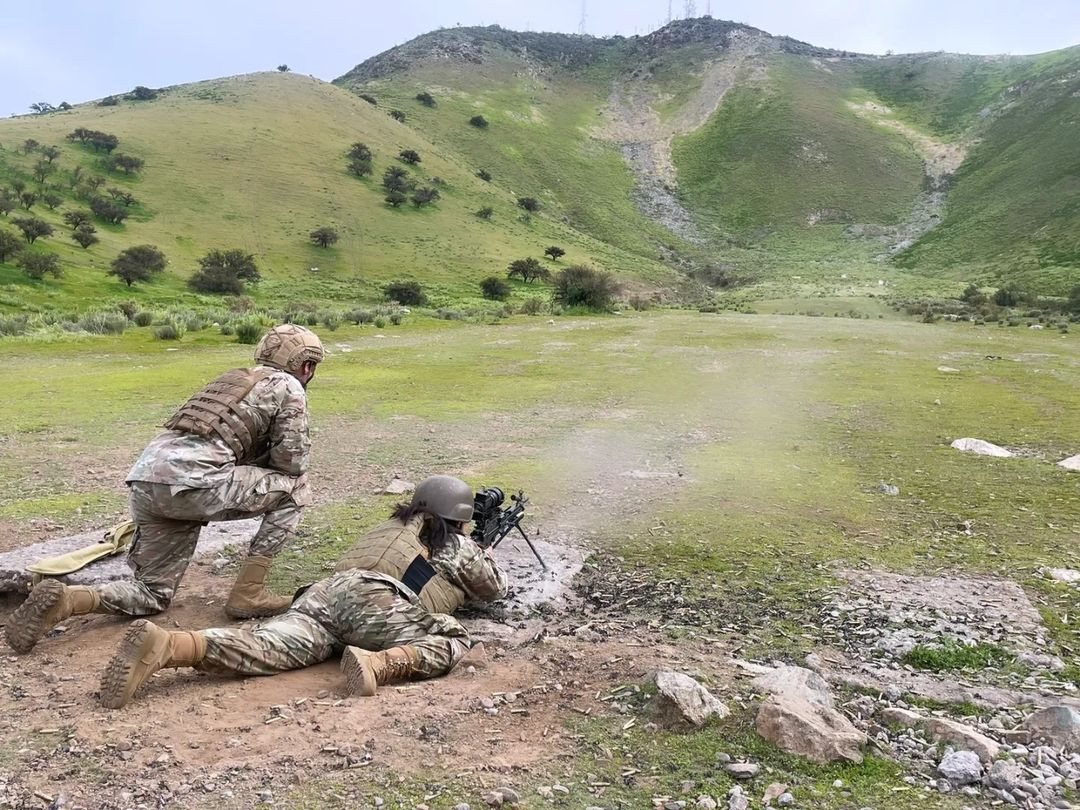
(443,495)
(288,347)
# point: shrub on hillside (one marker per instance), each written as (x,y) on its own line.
(224,271)
(582,286)
(554,252)
(424,196)
(283,68)
(141,93)
(128,164)
(143,318)
(103,323)
(248,331)
(530,204)
(380,322)
(324,236)
(426,99)
(108,210)
(485,212)
(51,200)
(77,217)
(532,306)
(495,289)
(360,316)
(370,99)
(37,265)
(410,156)
(398,115)
(479,122)
(395,318)
(84,235)
(330,320)
(484,175)
(170,330)
(138,263)
(13,324)
(395,198)
(409,293)
(528,270)
(10,244)
(33,228)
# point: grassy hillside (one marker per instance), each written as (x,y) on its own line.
(788,153)
(256,162)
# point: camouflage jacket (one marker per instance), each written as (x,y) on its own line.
(461,569)
(278,405)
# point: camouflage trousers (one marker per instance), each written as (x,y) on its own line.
(169,520)
(348,609)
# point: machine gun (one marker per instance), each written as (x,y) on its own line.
(492,523)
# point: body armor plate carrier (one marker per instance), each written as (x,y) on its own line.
(214,412)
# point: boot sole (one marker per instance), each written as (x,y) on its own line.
(26,625)
(119,671)
(359,680)
(254,613)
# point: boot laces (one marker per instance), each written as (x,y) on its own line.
(394,668)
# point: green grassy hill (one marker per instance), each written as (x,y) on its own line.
(256,162)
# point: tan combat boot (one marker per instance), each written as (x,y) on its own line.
(249,598)
(146,648)
(47,605)
(366,671)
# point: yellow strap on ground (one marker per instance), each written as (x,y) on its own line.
(116,540)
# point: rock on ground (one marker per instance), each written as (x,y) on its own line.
(961,767)
(943,729)
(980,448)
(1069,575)
(1071,463)
(800,717)
(1058,726)
(398,486)
(1005,774)
(681,700)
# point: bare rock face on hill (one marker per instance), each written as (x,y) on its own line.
(800,717)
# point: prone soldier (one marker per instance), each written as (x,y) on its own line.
(386,610)
(236,449)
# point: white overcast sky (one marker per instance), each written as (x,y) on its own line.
(75,51)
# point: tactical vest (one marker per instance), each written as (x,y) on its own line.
(215,412)
(394,548)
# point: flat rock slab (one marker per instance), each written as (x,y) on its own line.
(981,448)
(15,578)
(1071,463)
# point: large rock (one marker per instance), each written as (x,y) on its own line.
(800,717)
(1069,575)
(980,448)
(681,700)
(1071,463)
(1058,726)
(961,767)
(1005,774)
(13,576)
(944,730)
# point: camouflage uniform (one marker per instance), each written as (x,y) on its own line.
(183,481)
(364,609)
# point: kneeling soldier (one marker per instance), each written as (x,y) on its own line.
(386,610)
(237,449)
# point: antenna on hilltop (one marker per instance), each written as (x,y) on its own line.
(691,10)
(581,22)
(669,10)
(708,8)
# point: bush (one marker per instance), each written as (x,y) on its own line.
(170,330)
(103,323)
(248,331)
(143,318)
(528,270)
(585,287)
(530,204)
(426,99)
(370,99)
(409,293)
(12,324)
(224,272)
(640,303)
(194,323)
(495,289)
(129,308)
(380,322)
(395,319)
(360,316)
(484,175)
(532,306)
(330,320)
(227,329)
(479,122)
(485,212)
(398,115)
(38,265)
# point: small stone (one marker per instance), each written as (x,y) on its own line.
(563,789)
(961,767)
(785,800)
(265,796)
(888,489)
(839,783)
(545,792)
(462,806)
(723,758)
(706,803)
(378,801)
(743,770)
(398,486)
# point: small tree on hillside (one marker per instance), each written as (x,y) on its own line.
(554,253)
(398,115)
(28,199)
(10,244)
(410,156)
(109,101)
(395,198)
(42,169)
(42,107)
(77,217)
(7,205)
(121,196)
(141,93)
(495,289)
(527,270)
(137,263)
(85,235)
(423,196)
(1073,304)
(75,177)
(370,99)
(485,212)
(1007,297)
(52,200)
(283,68)
(324,236)
(18,185)
(29,145)
(108,210)
(37,265)
(128,164)
(426,99)
(33,228)
(973,295)
(479,122)
(409,293)
(50,153)
(360,159)
(530,204)
(224,271)
(484,175)
(583,286)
